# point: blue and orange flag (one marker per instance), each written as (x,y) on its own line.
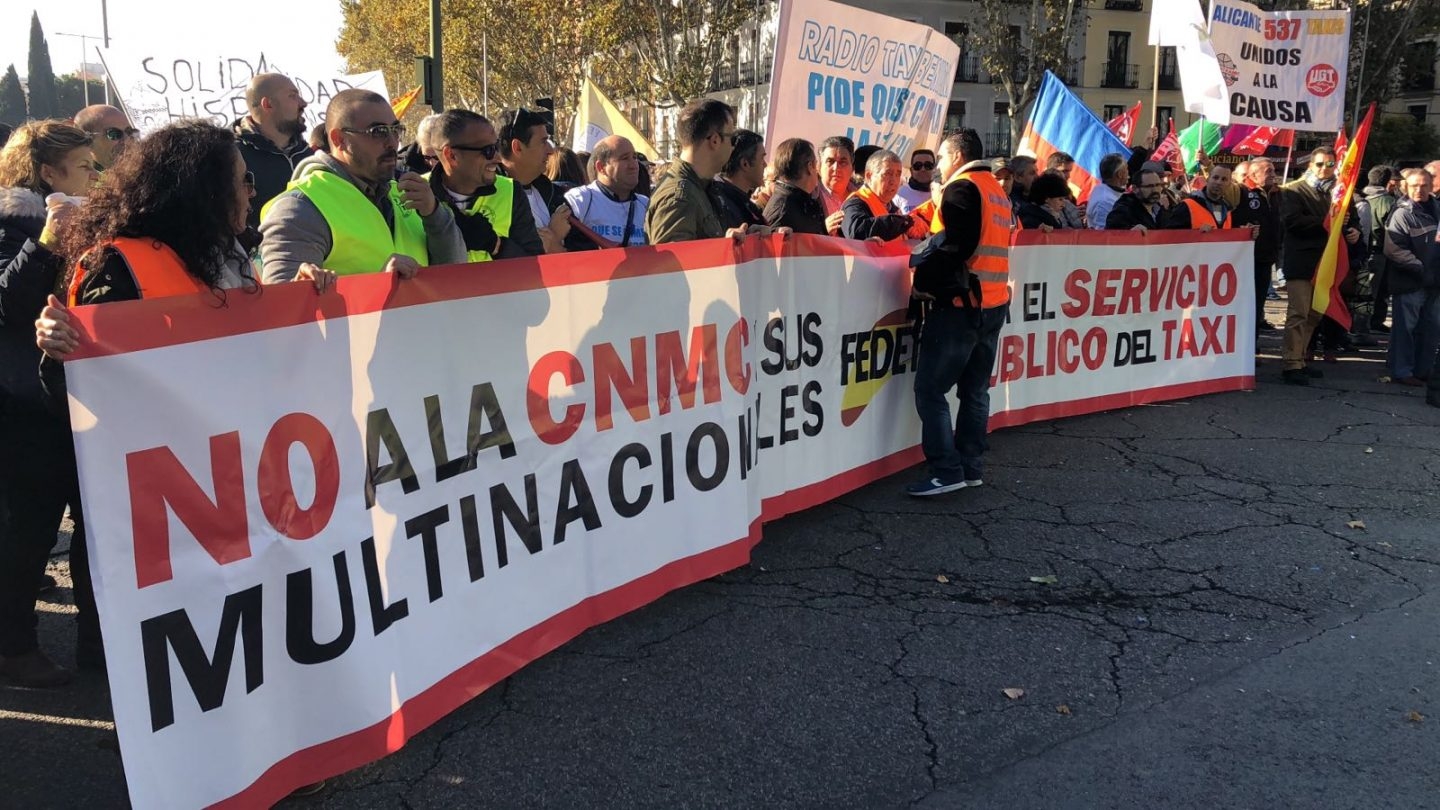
(1335,261)
(1060,122)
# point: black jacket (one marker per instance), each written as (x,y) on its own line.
(733,205)
(271,165)
(1032,216)
(1258,207)
(524,239)
(1303,209)
(28,273)
(860,223)
(794,208)
(1128,212)
(961,207)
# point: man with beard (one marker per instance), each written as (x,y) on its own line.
(110,130)
(346,212)
(608,212)
(735,185)
(272,137)
(494,220)
(1138,209)
(1206,210)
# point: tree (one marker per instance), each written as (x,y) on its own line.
(12,99)
(41,77)
(70,95)
(1400,138)
(1018,63)
(541,50)
(671,53)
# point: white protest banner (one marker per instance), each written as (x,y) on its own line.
(1283,68)
(319,524)
(158,88)
(841,70)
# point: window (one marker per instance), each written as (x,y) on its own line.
(1112,111)
(1000,129)
(1169,72)
(1118,70)
(954,116)
(1162,119)
(957,32)
(1418,112)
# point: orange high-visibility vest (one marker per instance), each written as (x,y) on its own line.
(877,208)
(1202,215)
(990,263)
(157,271)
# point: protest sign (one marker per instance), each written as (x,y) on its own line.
(1282,68)
(320,523)
(841,70)
(160,87)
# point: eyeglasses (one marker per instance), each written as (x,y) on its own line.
(488,151)
(118,134)
(921,167)
(379,132)
(1320,164)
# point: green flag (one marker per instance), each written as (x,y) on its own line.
(1200,135)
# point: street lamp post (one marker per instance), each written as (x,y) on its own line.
(84,73)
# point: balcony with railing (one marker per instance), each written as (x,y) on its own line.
(1120,74)
(999,141)
(1070,74)
(1124,5)
(1169,80)
(971,71)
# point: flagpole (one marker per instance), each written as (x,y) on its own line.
(1155,85)
(1290,153)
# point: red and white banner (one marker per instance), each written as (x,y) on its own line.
(1123,125)
(320,523)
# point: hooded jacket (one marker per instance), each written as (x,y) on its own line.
(271,165)
(294,231)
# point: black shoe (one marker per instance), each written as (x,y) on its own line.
(1364,340)
(1313,373)
(1380,327)
(47,584)
(1295,376)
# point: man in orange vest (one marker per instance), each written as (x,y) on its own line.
(966,274)
(1206,210)
(870,212)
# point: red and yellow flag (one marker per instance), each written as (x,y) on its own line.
(402,104)
(1335,262)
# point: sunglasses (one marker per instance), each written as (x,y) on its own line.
(118,134)
(379,132)
(1320,164)
(922,167)
(488,151)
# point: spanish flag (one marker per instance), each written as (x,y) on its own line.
(1335,261)
(596,118)
(402,104)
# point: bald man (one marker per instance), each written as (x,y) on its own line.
(272,137)
(608,211)
(346,211)
(110,129)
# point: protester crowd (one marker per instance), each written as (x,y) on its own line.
(90,213)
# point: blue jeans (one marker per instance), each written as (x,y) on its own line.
(957,349)
(1414,333)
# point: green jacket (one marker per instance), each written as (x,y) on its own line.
(680,208)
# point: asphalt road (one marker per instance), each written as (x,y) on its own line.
(1218,634)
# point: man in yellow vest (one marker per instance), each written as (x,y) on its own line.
(1206,210)
(965,272)
(493,218)
(870,211)
(345,211)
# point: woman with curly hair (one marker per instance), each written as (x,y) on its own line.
(167,221)
(42,159)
